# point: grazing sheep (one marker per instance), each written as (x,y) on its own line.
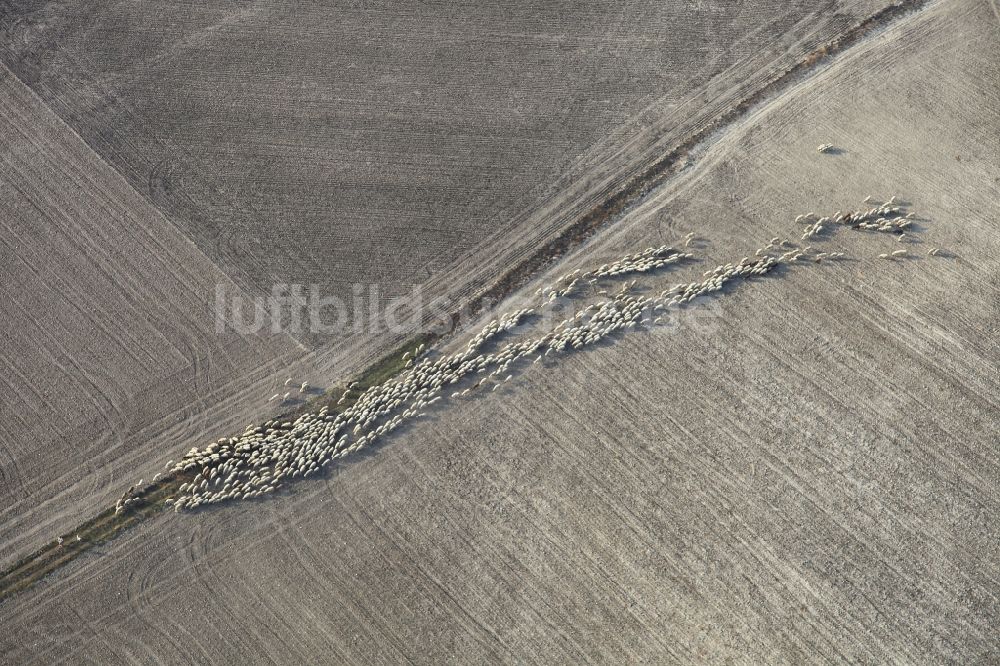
(257,462)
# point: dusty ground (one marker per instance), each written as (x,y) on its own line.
(304,143)
(808,473)
(110,351)
(152,154)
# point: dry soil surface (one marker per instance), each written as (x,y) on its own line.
(807,472)
(152,153)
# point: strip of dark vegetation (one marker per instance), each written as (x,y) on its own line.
(150,501)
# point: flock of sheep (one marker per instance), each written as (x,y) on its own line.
(265,457)
(887,218)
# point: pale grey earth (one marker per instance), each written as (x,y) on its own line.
(806,473)
(259,144)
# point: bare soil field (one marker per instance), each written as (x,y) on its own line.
(805,472)
(244,146)
(366,143)
(110,356)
